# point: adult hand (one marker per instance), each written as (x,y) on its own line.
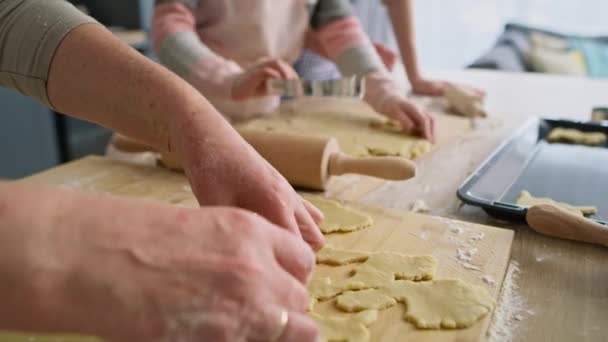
(224,170)
(386,98)
(252,82)
(129,270)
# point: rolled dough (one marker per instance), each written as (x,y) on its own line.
(338,218)
(527,200)
(358,135)
(338,257)
(345,329)
(446,303)
(575,136)
(377,270)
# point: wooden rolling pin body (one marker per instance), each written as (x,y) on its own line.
(305,161)
(553,221)
(309,161)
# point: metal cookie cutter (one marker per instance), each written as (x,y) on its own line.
(353,87)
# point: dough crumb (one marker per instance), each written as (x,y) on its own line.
(420,206)
(466,254)
(469,266)
(456,230)
(478,237)
(488,279)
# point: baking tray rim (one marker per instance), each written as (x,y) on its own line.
(497,208)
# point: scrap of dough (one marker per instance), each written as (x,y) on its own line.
(354,301)
(339,218)
(446,303)
(378,270)
(576,137)
(387,266)
(465,101)
(527,200)
(325,288)
(345,329)
(355,133)
(339,257)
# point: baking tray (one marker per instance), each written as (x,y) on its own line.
(573,174)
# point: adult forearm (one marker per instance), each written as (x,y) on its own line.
(96,77)
(402,18)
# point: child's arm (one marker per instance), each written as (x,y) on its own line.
(402,19)
(227,86)
(341,38)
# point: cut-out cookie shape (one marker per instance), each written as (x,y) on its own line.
(379,269)
(338,218)
(339,257)
(355,301)
(383,268)
(345,329)
(527,200)
(575,136)
(447,303)
(325,288)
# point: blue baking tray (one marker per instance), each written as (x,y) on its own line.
(574,174)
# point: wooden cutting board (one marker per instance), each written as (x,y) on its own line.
(392,231)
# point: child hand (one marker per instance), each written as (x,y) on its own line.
(252,82)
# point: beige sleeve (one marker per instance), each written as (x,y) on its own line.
(30,32)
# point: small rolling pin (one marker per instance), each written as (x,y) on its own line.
(305,161)
(553,221)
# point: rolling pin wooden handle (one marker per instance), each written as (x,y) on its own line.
(553,221)
(392,168)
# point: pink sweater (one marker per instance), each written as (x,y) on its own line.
(209,42)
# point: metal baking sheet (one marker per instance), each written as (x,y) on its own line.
(574,174)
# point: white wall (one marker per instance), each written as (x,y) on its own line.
(452,33)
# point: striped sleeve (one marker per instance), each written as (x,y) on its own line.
(30,33)
(342,38)
(179,48)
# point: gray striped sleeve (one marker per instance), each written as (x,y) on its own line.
(326,11)
(181,51)
(359,60)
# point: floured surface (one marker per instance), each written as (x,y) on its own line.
(359,134)
(392,231)
(414,234)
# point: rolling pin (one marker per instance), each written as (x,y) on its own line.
(557,222)
(305,161)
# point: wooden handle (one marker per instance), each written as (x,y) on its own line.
(392,168)
(553,221)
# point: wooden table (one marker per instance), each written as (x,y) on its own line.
(563,285)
